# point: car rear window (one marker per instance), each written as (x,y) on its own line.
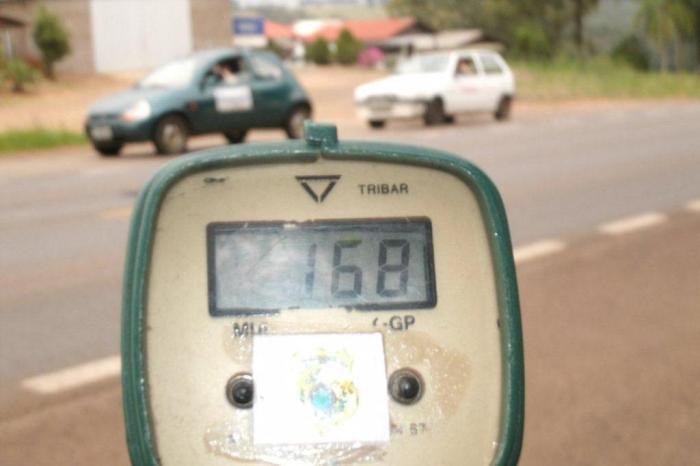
(490,64)
(265,67)
(424,64)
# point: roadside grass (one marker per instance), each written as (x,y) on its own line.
(38,138)
(599,78)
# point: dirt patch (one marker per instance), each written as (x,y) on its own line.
(58,105)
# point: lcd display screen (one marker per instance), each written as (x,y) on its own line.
(375,264)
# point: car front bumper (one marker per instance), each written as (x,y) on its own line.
(398,109)
(109,129)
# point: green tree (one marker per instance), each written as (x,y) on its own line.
(693,7)
(580,11)
(499,18)
(19,74)
(665,22)
(441,14)
(318,52)
(531,42)
(51,38)
(632,51)
(277,49)
(348,48)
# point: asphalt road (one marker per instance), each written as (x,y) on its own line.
(564,176)
(611,327)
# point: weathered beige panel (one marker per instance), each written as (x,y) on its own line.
(211,23)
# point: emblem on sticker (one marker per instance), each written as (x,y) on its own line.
(320,389)
(326,387)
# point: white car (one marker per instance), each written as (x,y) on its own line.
(437,86)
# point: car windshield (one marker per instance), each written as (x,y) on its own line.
(424,64)
(175,74)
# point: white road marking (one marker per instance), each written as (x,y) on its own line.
(537,249)
(693,206)
(626,225)
(73,377)
(118,213)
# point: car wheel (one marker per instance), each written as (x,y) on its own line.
(377,124)
(434,112)
(503,109)
(110,149)
(450,119)
(170,136)
(236,136)
(294,124)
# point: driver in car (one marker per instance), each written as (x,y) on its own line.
(225,73)
(466,67)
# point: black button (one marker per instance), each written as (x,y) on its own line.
(406,386)
(240,391)
(409,387)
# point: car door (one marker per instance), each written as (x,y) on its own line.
(466,86)
(225,99)
(496,80)
(270,90)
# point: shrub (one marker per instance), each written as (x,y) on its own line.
(277,49)
(348,48)
(632,51)
(531,42)
(19,74)
(51,38)
(318,52)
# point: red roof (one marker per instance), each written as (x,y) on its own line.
(378,29)
(275,30)
(371,30)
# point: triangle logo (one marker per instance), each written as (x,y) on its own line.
(318,187)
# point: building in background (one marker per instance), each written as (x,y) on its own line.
(108,35)
(12,31)
(393,36)
(296,4)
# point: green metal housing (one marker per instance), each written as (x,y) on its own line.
(321,142)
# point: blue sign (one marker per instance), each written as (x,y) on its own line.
(249,26)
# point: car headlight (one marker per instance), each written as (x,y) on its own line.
(138,111)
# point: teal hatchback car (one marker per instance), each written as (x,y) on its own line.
(217,91)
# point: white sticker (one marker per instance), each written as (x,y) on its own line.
(320,389)
(233,98)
